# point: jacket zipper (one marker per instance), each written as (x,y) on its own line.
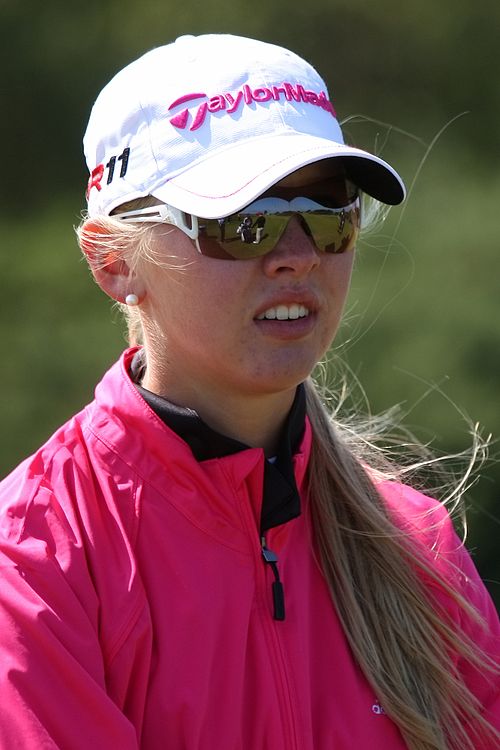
(282,677)
(271,559)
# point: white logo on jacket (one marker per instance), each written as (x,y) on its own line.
(377,708)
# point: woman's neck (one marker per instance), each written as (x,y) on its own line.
(255,419)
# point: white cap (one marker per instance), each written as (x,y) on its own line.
(208,123)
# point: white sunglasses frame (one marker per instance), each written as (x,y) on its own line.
(163,213)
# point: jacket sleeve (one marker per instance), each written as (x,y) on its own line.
(429,523)
(53,691)
(484,633)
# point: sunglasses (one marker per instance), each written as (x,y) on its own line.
(256,229)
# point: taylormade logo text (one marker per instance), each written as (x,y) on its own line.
(229,103)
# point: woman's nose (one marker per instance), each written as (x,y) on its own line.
(295,252)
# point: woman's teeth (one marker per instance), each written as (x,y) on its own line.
(284,312)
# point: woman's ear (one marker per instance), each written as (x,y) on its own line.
(110,270)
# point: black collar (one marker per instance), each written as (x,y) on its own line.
(281,500)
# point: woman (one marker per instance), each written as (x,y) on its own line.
(199,559)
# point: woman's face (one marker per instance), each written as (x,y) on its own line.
(210,325)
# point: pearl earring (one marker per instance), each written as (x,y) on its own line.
(132,300)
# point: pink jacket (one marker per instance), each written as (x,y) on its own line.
(136,609)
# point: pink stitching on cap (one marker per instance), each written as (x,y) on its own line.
(233,101)
(186,98)
(95,179)
(180,120)
(200,116)
(261,94)
(312,150)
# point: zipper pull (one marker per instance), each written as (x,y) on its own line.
(278,592)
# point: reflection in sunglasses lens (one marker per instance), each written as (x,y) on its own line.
(253,233)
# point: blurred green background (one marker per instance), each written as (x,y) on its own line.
(416,82)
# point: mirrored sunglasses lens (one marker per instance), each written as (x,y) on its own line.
(240,236)
(254,233)
(335,233)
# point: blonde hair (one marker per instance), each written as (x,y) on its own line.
(403,644)
(103,239)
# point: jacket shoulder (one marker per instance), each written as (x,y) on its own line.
(50,471)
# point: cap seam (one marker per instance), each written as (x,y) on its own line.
(241,187)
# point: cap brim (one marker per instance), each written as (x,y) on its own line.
(230,178)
